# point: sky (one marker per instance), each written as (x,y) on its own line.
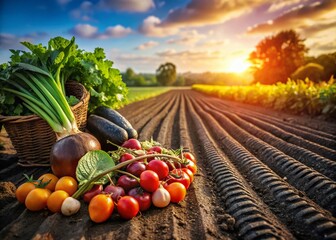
(195,35)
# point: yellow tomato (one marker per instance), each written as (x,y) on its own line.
(67,184)
(56,199)
(23,190)
(49,177)
(37,199)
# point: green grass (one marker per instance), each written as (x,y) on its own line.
(140,93)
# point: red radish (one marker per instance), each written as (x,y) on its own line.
(132,144)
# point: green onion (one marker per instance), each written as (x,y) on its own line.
(41,94)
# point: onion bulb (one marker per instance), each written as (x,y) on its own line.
(67,151)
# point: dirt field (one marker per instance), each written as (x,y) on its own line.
(262,175)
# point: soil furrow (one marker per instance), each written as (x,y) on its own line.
(147,131)
(238,199)
(285,166)
(319,163)
(291,138)
(262,177)
(312,129)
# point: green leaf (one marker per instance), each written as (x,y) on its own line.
(91,165)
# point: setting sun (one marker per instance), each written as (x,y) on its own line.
(238,65)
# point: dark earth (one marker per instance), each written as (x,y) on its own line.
(262,175)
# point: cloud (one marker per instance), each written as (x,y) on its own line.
(84,12)
(187,38)
(299,18)
(117,31)
(201,13)
(280,4)
(11,41)
(147,45)
(191,55)
(127,5)
(151,27)
(89,31)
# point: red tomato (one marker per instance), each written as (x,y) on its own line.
(177,192)
(128,207)
(189,156)
(160,167)
(190,174)
(191,166)
(177,175)
(149,181)
(143,198)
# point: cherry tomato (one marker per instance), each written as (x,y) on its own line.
(68,184)
(161,198)
(149,180)
(37,199)
(177,175)
(23,190)
(177,192)
(143,198)
(189,156)
(101,208)
(191,166)
(190,174)
(49,177)
(132,144)
(128,207)
(160,167)
(55,200)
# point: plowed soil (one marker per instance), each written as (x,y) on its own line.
(262,175)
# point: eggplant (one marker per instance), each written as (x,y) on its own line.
(105,130)
(115,117)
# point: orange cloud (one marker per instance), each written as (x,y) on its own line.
(300,18)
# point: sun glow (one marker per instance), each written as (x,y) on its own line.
(238,65)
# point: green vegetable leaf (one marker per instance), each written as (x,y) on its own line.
(91,165)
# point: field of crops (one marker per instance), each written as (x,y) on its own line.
(262,175)
(295,96)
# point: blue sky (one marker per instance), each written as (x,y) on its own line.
(196,35)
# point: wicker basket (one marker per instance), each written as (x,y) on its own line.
(33,138)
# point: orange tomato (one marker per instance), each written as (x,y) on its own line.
(100,208)
(56,199)
(49,177)
(177,191)
(68,184)
(37,199)
(23,190)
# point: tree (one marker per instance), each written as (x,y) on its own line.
(277,57)
(166,74)
(313,71)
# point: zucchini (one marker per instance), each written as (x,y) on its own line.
(117,118)
(104,131)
